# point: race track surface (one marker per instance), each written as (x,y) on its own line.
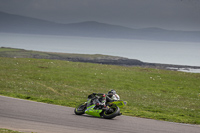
(29,116)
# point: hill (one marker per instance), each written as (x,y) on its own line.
(11,23)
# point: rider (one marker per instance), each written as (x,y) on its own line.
(113,95)
(103,99)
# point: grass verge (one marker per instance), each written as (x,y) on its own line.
(151,93)
(8,131)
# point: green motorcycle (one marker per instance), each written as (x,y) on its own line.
(111,110)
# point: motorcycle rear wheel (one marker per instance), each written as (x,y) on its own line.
(111,115)
(79,110)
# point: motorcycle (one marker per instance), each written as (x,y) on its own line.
(111,110)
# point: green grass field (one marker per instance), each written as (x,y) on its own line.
(8,131)
(151,93)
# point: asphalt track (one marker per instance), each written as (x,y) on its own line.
(29,116)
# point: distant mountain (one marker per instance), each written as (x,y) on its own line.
(11,23)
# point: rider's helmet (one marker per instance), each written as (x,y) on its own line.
(111,93)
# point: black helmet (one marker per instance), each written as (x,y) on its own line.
(111,93)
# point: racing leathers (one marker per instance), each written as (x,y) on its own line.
(101,100)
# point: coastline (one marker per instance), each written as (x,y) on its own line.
(93,58)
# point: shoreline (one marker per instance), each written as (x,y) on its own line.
(93,58)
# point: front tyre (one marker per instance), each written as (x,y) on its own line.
(79,110)
(110,115)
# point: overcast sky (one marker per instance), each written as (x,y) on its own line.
(167,14)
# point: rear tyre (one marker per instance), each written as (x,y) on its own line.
(110,115)
(79,110)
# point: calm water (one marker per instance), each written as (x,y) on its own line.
(180,53)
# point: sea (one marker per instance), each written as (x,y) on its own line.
(176,53)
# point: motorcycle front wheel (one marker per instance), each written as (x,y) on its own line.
(79,110)
(110,115)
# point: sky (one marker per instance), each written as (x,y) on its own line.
(166,14)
